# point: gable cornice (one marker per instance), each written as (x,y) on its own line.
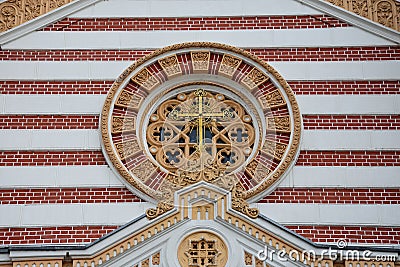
(354,19)
(44,20)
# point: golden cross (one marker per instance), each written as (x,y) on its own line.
(201,115)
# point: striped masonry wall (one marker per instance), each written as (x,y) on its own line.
(54,81)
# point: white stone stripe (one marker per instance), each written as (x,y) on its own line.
(84,139)
(196,8)
(110,70)
(121,213)
(102,176)
(92,104)
(78,40)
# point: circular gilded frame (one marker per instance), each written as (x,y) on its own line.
(142,84)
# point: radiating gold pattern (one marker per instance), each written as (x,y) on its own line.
(16,12)
(385,12)
(170,65)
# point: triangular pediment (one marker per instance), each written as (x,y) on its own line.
(15,26)
(174,238)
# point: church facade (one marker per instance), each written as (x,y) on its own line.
(200,133)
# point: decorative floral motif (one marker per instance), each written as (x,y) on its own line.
(14,13)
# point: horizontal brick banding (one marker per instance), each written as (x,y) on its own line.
(51,158)
(369,196)
(88,234)
(349,158)
(66,196)
(351,122)
(267,54)
(299,87)
(49,122)
(306,158)
(344,87)
(55,87)
(196,23)
(53,235)
(352,234)
(311,122)
(334,196)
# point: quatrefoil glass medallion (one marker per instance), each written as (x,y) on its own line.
(200,112)
(200,135)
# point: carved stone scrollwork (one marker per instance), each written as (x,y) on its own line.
(239,204)
(274,149)
(200,60)
(254,78)
(145,170)
(162,207)
(273,99)
(229,65)
(128,149)
(257,170)
(129,100)
(385,12)
(14,13)
(122,124)
(145,79)
(279,124)
(170,65)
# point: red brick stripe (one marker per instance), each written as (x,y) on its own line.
(53,235)
(345,87)
(334,196)
(352,234)
(351,122)
(51,158)
(349,158)
(370,196)
(311,122)
(196,23)
(49,122)
(88,234)
(267,54)
(66,196)
(299,87)
(306,158)
(55,87)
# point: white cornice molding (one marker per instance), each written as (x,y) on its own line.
(44,20)
(354,19)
